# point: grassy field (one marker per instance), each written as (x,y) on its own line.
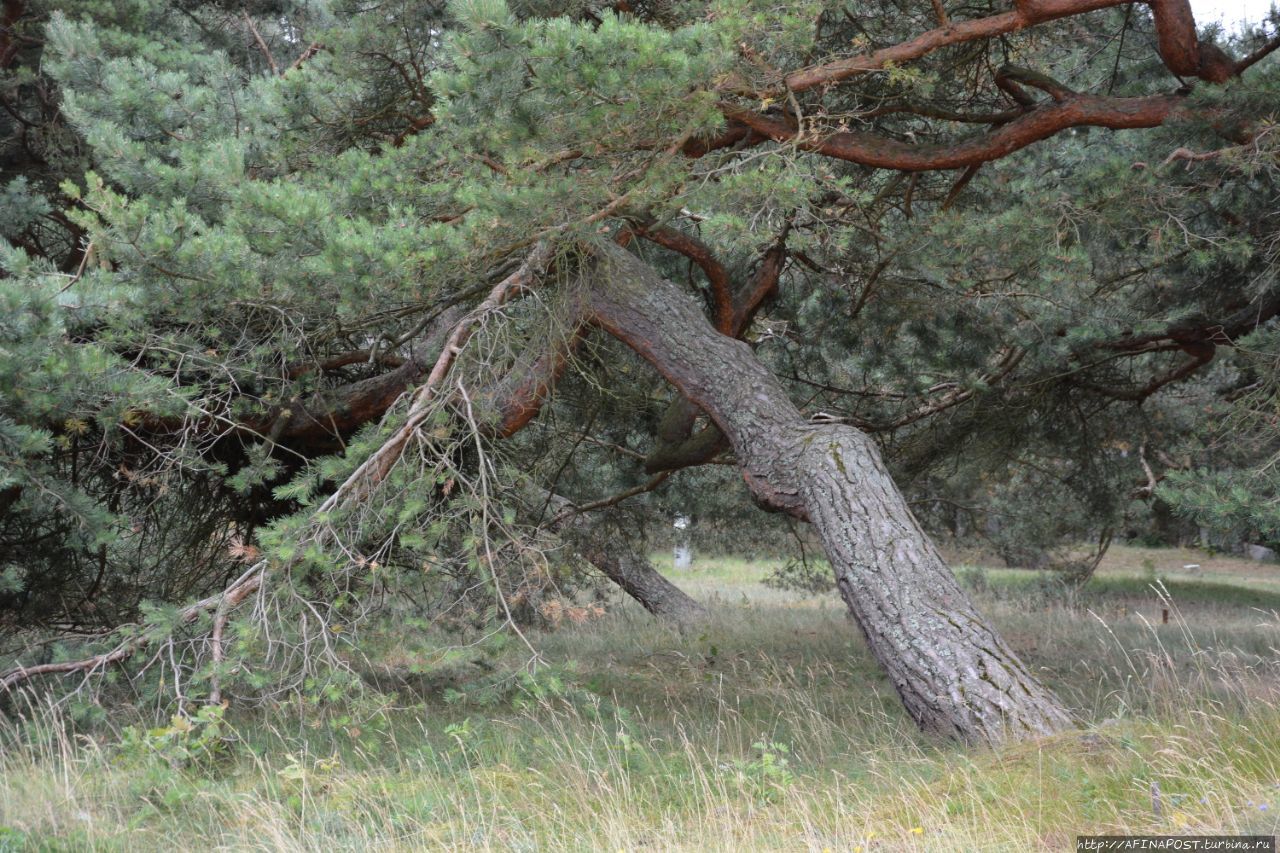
(768,729)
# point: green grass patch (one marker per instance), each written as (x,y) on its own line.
(768,728)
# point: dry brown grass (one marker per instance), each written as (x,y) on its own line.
(769,730)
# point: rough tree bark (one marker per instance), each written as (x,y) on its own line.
(622,564)
(956,676)
(639,579)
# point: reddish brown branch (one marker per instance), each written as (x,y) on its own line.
(416,126)
(1180,49)
(1190,156)
(520,398)
(346,359)
(322,420)
(1019,95)
(374,469)
(1034,125)
(1028,14)
(762,284)
(1221,332)
(940,11)
(942,114)
(700,253)
(1201,355)
(678,446)
(869,287)
(731,136)
(325,417)
(1014,74)
(959,185)
(331,414)
(1179,45)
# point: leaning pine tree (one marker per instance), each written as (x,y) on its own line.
(324,266)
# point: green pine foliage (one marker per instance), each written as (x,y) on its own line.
(210,201)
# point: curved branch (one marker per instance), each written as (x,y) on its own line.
(312,49)
(1181,50)
(1201,355)
(1258,55)
(1034,79)
(1028,14)
(954,673)
(1199,340)
(521,395)
(700,253)
(1179,45)
(327,416)
(682,450)
(761,285)
(1032,126)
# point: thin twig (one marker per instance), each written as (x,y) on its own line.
(84,260)
(652,484)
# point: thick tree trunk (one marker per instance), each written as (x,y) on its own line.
(955,674)
(623,565)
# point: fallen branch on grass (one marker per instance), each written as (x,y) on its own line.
(248,582)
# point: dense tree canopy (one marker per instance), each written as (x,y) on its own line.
(309,301)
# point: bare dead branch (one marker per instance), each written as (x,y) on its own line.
(248,582)
(262,45)
(312,49)
(375,469)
